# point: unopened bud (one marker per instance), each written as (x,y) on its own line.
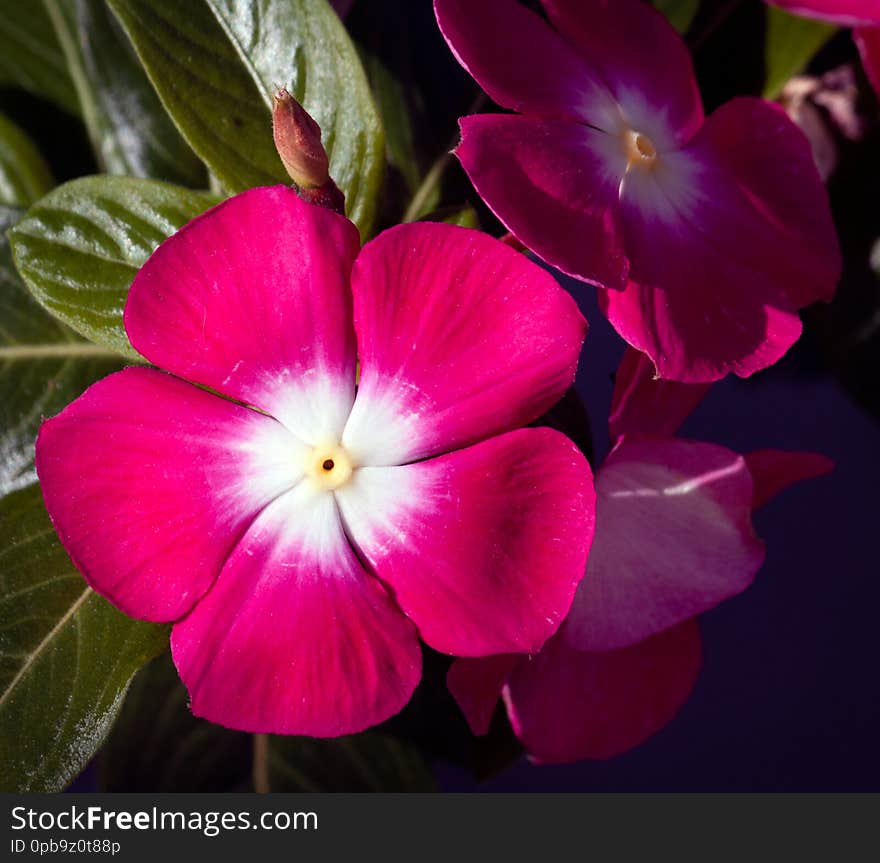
(298,141)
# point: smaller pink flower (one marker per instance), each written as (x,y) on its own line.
(673,539)
(705,235)
(302,531)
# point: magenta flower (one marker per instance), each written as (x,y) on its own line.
(706,237)
(301,545)
(673,539)
(848,13)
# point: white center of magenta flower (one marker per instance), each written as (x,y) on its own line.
(640,149)
(329,466)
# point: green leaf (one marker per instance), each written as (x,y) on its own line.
(215,64)
(130,131)
(24,176)
(791,43)
(680,13)
(79,248)
(43,366)
(30,56)
(464,216)
(371,761)
(157,745)
(66,655)
(396,119)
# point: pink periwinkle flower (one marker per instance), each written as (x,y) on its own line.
(674,537)
(302,527)
(705,236)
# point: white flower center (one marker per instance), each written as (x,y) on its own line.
(329,466)
(639,149)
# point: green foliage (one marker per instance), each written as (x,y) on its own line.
(30,56)
(791,43)
(66,655)
(129,129)
(43,366)
(680,13)
(158,745)
(215,65)
(24,175)
(79,248)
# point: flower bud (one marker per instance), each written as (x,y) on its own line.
(298,141)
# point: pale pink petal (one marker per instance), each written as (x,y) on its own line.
(673,539)
(295,637)
(482,548)
(566,705)
(517,58)
(641,58)
(459,338)
(774,470)
(848,13)
(642,403)
(726,240)
(252,299)
(151,481)
(556,187)
(476,684)
(867,40)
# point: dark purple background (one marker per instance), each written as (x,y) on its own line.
(789,696)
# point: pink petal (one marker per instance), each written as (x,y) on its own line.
(848,13)
(517,58)
(295,637)
(644,404)
(566,705)
(867,40)
(476,686)
(151,481)
(774,470)
(641,58)
(556,187)
(726,240)
(252,300)
(459,337)
(673,539)
(483,548)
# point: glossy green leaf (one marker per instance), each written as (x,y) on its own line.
(24,176)
(157,745)
(215,64)
(131,132)
(791,43)
(680,13)
(66,655)
(43,366)
(79,248)
(30,56)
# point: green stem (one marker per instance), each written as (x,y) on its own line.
(261,764)
(437,170)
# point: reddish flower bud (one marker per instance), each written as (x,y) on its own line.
(298,141)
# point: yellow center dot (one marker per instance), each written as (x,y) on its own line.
(640,149)
(329,466)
